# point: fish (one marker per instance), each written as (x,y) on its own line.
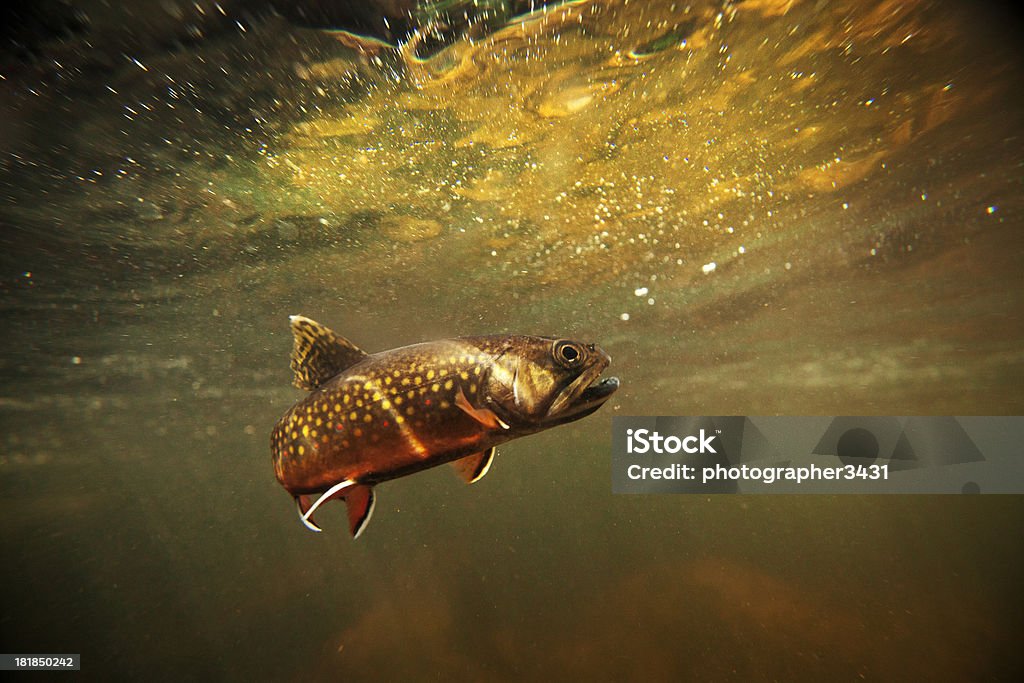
(370,418)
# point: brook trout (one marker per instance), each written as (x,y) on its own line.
(374,417)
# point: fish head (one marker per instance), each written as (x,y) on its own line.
(540,382)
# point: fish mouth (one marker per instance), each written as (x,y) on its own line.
(600,390)
(585,394)
(592,398)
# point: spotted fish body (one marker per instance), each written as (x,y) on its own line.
(374,417)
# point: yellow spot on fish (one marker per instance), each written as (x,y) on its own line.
(319,422)
(419,380)
(346,400)
(430,374)
(353,415)
(387,380)
(313,433)
(305,430)
(443,372)
(411,394)
(299,421)
(453,360)
(359,403)
(464,375)
(399,419)
(405,381)
(448,384)
(324,439)
(368,418)
(295,435)
(376,396)
(435,387)
(398,400)
(410,410)
(397,373)
(337,406)
(302,449)
(385,404)
(445,404)
(368,385)
(476,370)
(472,388)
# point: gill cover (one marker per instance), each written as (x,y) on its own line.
(537,378)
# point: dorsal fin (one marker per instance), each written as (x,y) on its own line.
(319,354)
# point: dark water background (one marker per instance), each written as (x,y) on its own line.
(169,196)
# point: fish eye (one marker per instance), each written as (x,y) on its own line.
(568,353)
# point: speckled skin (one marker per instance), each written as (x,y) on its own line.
(397,412)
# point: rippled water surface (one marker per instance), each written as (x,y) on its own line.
(768,207)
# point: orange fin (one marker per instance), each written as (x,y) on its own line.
(472,468)
(306,510)
(303,504)
(360,501)
(484,416)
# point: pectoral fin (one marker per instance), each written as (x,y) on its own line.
(484,416)
(472,468)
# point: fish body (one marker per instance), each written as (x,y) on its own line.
(374,417)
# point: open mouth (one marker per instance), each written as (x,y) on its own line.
(590,399)
(600,390)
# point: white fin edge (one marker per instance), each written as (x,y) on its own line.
(366,519)
(309,524)
(326,495)
(487,465)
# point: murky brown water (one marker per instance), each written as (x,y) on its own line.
(768,207)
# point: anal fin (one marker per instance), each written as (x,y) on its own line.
(360,501)
(306,510)
(472,468)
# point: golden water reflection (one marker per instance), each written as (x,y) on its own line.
(713,157)
(553,121)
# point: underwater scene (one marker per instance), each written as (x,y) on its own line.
(767,207)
